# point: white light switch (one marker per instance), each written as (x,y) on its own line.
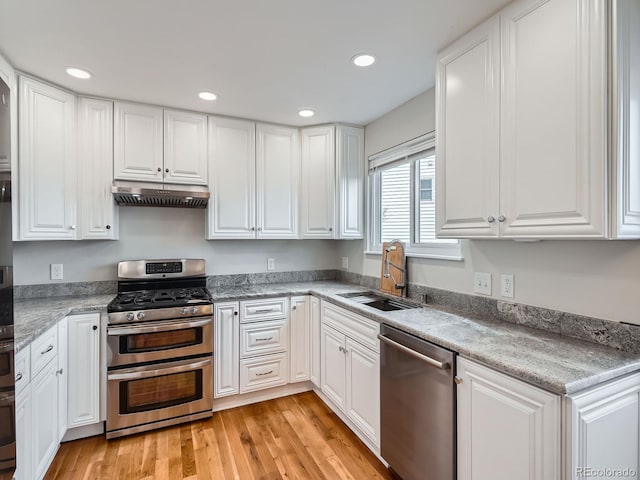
(482,283)
(56,271)
(271,264)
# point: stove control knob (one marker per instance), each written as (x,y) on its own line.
(130,316)
(184,310)
(140,315)
(194,310)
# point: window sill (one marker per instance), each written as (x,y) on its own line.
(455,258)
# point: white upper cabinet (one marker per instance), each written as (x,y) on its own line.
(98,211)
(317,196)
(138,149)
(185,147)
(528,132)
(467,142)
(47,180)
(277,181)
(350,174)
(554,111)
(232,167)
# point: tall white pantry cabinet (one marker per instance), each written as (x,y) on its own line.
(537,118)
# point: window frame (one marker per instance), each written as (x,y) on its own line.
(408,152)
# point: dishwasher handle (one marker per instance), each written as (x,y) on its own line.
(413,353)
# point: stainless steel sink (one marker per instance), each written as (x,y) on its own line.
(372,299)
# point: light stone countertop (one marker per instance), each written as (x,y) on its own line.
(555,363)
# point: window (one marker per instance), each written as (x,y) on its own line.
(402,200)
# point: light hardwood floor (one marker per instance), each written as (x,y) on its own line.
(295,437)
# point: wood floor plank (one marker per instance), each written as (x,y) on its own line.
(295,437)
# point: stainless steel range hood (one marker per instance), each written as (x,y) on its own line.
(159,195)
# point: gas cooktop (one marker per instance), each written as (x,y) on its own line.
(159,298)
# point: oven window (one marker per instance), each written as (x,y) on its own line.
(160,392)
(151,342)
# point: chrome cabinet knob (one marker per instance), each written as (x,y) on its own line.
(457,379)
(235,313)
(108,227)
(166,170)
(491,219)
(95,327)
(253,229)
(331,229)
(130,316)
(294,307)
(140,315)
(502,218)
(72,227)
(159,169)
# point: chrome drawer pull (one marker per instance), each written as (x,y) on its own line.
(265,373)
(413,353)
(19,376)
(264,310)
(49,348)
(264,339)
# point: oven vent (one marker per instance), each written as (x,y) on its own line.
(142,195)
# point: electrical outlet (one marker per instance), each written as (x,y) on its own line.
(56,271)
(345,263)
(482,283)
(271,264)
(507,286)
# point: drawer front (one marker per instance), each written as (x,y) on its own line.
(265,309)
(43,350)
(353,325)
(263,372)
(23,368)
(263,338)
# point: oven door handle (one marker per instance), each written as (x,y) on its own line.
(157,328)
(156,372)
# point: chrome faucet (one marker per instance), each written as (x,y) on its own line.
(393,245)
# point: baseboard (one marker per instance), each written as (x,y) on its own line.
(83,432)
(374,449)
(234,401)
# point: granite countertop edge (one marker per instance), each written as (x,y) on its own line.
(541,358)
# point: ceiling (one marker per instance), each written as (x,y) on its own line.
(266,59)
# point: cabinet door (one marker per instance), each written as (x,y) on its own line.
(137,142)
(24,463)
(63,376)
(603,429)
(363,389)
(185,147)
(277,181)
(226,350)
(98,211)
(334,362)
(44,413)
(350,167)
(232,179)
(554,112)
(47,180)
(317,199)
(468,140)
(314,314)
(8,111)
(507,429)
(300,346)
(84,370)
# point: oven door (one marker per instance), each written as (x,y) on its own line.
(157,341)
(141,396)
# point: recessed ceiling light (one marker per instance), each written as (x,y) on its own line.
(79,73)
(363,60)
(306,113)
(210,96)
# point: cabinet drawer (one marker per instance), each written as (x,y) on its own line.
(353,325)
(44,349)
(22,368)
(266,309)
(263,337)
(263,372)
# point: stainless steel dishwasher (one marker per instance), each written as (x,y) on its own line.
(417,407)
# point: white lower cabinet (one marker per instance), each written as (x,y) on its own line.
(314,316)
(507,429)
(24,465)
(264,371)
(84,370)
(44,417)
(350,371)
(226,349)
(63,376)
(300,339)
(603,430)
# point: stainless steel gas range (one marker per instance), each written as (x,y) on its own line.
(159,346)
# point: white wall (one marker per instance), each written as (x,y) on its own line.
(166,233)
(595,278)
